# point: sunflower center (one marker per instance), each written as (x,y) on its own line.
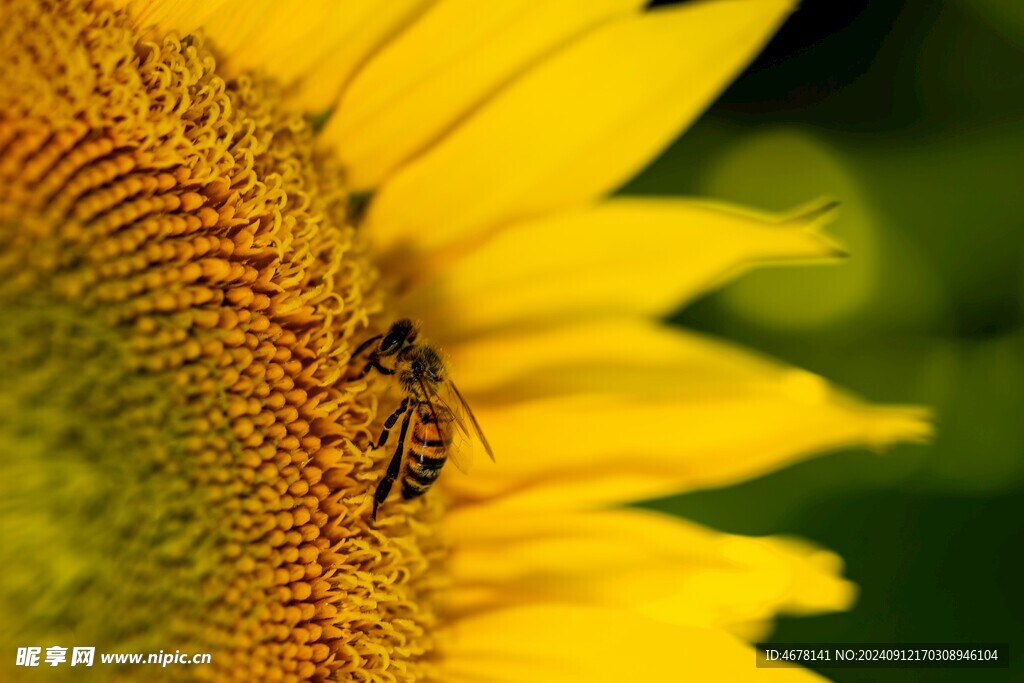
(183,464)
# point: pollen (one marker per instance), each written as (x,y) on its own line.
(184,462)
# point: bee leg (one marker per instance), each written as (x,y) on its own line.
(364,346)
(374,364)
(384,487)
(390,422)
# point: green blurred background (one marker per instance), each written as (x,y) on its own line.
(912,114)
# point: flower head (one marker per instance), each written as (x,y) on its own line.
(186,443)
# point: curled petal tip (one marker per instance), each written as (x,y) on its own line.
(837,252)
(817,212)
(889,425)
(811,217)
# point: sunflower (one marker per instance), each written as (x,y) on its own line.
(205,207)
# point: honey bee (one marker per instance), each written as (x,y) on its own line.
(433,408)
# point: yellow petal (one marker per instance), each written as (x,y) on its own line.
(321,42)
(623,356)
(557,643)
(665,568)
(592,357)
(356,31)
(453,58)
(577,125)
(171,16)
(571,452)
(230,26)
(287,41)
(713,416)
(623,256)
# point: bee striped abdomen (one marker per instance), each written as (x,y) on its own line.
(426,455)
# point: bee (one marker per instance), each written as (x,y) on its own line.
(434,413)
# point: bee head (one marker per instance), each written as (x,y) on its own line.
(402,332)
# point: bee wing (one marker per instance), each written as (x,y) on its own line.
(461,450)
(446,417)
(463,414)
